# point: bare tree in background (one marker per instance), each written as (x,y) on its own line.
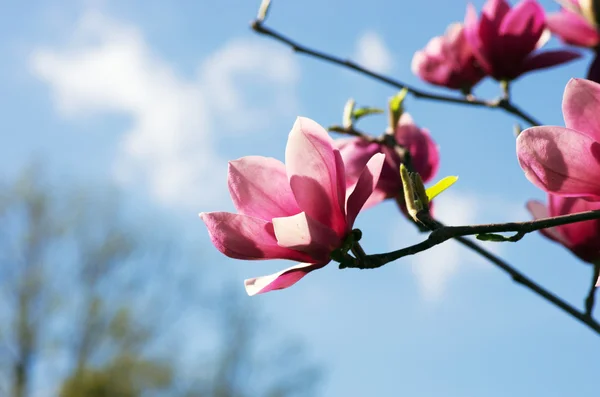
(87,302)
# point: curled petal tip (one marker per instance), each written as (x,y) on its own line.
(280,280)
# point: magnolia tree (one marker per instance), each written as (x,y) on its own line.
(304,210)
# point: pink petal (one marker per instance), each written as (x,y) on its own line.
(581,107)
(260,188)
(279,280)
(544,38)
(573,29)
(302,233)
(341,226)
(375,198)
(448,60)
(582,238)
(539,211)
(490,53)
(243,237)
(356,153)
(521,29)
(432,65)
(473,38)
(496,10)
(312,170)
(424,151)
(547,59)
(364,187)
(560,161)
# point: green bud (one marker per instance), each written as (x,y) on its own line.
(420,191)
(413,206)
(263,10)
(347,118)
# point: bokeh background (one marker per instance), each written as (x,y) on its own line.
(117,120)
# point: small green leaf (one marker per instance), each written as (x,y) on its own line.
(365,111)
(439,187)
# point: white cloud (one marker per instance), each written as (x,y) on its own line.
(372,53)
(238,65)
(107,67)
(435,268)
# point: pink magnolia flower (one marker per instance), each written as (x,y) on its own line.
(423,150)
(504,39)
(448,61)
(582,238)
(566,161)
(575,23)
(298,211)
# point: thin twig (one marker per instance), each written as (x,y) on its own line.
(502,103)
(352,132)
(526,282)
(591,296)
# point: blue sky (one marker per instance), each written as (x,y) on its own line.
(157,96)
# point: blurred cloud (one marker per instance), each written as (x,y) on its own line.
(372,53)
(108,67)
(230,74)
(435,267)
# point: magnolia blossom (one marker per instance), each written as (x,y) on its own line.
(504,39)
(575,23)
(424,153)
(566,161)
(448,61)
(582,238)
(298,211)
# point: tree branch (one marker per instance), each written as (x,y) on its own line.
(526,282)
(444,233)
(502,103)
(458,233)
(520,278)
(591,296)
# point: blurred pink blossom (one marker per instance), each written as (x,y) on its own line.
(504,39)
(575,23)
(448,61)
(424,153)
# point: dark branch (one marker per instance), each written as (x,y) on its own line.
(445,233)
(502,103)
(526,282)
(591,297)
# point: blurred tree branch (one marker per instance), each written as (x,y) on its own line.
(85,283)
